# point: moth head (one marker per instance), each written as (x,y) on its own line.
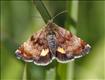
(51,33)
(50,23)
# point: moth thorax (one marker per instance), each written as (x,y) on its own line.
(52,43)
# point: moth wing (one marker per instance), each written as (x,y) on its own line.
(35,49)
(69,46)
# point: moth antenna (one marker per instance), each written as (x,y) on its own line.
(58,15)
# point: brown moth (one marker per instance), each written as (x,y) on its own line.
(52,42)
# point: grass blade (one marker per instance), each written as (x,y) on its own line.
(43,10)
(25,72)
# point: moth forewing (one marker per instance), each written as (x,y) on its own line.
(35,49)
(69,46)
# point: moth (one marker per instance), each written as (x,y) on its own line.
(52,42)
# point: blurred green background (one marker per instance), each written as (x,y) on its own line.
(20,19)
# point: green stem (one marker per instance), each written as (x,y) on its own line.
(25,72)
(42,10)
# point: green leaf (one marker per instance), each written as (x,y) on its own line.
(43,10)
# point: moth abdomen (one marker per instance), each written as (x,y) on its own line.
(52,43)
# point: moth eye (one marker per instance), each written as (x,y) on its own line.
(61,50)
(44,52)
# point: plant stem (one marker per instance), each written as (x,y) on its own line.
(43,10)
(25,72)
